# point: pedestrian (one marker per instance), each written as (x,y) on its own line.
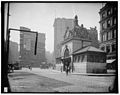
(61,68)
(12,68)
(30,67)
(67,70)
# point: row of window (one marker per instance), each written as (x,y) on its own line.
(109,35)
(108,12)
(97,58)
(109,23)
(109,48)
(80,58)
(91,58)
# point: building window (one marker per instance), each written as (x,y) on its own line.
(82,58)
(109,35)
(107,49)
(91,58)
(108,12)
(78,58)
(104,36)
(114,9)
(114,34)
(113,47)
(103,25)
(114,20)
(108,23)
(103,15)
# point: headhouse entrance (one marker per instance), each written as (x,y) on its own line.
(66,59)
(66,63)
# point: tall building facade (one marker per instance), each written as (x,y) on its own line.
(60,25)
(108,29)
(27,48)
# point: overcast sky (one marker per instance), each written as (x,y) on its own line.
(40,17)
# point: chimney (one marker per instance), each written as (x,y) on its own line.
(82,25)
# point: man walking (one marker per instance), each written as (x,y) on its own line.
(67,70)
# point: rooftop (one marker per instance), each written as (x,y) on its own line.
(88,48)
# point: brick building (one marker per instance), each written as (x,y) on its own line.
(27,48)
(108,30)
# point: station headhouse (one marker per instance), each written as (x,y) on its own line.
(78,53)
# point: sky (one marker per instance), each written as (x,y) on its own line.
(40,17)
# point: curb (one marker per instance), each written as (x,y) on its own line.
(94,74)
(88,74)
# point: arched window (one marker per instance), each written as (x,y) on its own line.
(66,53)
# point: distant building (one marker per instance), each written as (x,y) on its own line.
(49,57)
(78,52)
(13,52)
(108,30)
(60,25)
(27,48)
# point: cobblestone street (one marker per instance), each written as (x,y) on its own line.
(48,80)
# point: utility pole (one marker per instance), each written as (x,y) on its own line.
(5,82)
(7,34)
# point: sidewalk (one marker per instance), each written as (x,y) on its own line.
(88,74)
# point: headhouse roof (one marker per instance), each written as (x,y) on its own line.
(88,48)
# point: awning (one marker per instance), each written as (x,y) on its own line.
(110,61)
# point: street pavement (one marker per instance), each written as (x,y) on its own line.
(80,83)
(21,81)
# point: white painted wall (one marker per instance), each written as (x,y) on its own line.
(80,67)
